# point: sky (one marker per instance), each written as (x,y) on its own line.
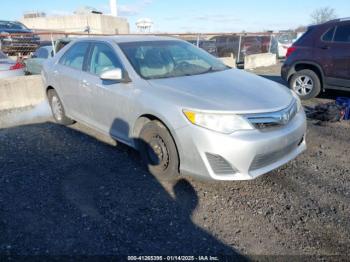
(192,15)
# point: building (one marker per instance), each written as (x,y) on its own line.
(144,25)
(85,19)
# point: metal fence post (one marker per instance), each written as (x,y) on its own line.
(53,45)
(239,49)
(270,45)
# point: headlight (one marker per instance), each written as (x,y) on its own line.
(222,123)
(298,101)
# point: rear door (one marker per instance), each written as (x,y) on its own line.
(341,53)
(334,54)
(68,73)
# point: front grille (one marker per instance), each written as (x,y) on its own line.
(266,159)
(219,165)
(20,43)
(274,119)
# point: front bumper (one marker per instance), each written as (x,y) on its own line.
(286,71)
(243,155)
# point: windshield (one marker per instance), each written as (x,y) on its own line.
(11,25)
(286,38)
(164,59)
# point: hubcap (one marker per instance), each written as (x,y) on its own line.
(158,152)
(56,108)
(303,85)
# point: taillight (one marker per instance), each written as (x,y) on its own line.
(17,66)
(290,50)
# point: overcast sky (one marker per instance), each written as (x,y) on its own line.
(191,15)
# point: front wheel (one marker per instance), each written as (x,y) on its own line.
(306,84)
(158,151)
(57,109)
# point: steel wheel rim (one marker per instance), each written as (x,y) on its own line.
(56,108)
(157,152)
(303,85)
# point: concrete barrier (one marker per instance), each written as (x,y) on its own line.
(229,61)
(259,60)
(21,91)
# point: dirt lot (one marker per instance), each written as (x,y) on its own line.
(72,191)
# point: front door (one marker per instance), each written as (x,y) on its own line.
(109,101)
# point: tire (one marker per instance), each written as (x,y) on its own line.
(57,109)
(158,151)
(306,84)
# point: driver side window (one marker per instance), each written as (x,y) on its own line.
(103,59)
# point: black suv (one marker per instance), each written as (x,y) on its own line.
(320,59)
(16,38)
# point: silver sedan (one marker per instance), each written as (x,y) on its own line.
(183,109)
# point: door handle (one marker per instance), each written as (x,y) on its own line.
(325,47)
(85,83)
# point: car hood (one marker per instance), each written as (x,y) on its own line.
(229,90)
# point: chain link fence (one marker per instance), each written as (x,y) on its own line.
(237,46)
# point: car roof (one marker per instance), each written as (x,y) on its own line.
(129,38)
(345,19)
(9,21)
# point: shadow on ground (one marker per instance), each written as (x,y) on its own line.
(64,192)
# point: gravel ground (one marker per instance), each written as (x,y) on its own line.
(73,191)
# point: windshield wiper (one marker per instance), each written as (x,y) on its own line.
(209,70)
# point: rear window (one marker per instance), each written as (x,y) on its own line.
(342,34)
(308,32)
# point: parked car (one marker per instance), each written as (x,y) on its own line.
(207,45)
(183,109)
(227,45)
(320,59)
(34,64)
(284,42)
(250,45)
(17,38)
(9,68)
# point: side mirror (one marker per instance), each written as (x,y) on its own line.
(114,75)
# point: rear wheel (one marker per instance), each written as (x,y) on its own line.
(57,109)
(158,151)
(306,84)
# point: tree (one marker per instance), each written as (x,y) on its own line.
(322,15)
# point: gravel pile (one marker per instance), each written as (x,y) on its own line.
(66,192)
